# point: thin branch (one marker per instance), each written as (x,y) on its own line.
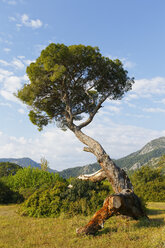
(91,116)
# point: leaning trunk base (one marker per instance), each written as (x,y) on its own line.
(125,203)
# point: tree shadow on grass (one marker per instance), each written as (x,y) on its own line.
(141,223)
(155,211)
(152,222)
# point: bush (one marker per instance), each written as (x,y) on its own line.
(7,168)
(27,180)
(83,198)
(149,183)
(9,196)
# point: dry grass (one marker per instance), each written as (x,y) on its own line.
(26,232)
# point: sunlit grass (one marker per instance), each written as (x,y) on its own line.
(25,232)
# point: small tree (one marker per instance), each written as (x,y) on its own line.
(68,84)
(44,164)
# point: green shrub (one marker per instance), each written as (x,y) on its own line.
(83,198)
(7,168)
(32,178)
(27,180)
(149,183)
(9,196)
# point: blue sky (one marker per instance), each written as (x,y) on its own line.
(131,30)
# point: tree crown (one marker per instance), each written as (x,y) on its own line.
(67,82)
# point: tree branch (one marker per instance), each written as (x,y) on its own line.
(98,176)
(88,149)
(91,116)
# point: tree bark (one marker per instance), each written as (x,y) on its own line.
(116,176)
(123,202)
(95,177)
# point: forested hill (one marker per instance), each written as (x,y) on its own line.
(150,153)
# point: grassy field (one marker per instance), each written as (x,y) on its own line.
(26,232)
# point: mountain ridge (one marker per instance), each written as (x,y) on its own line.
(25,162)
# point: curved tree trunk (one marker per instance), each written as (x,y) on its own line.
(123,202)
(116,176)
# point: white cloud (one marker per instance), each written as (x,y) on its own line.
(21,57)
(30,22)
(13,2)
(149,86)
(9,84)
(12,19)
(4,73)
(5,104)
(125,61)
(5,38)
(139,116)
(130,97)
(154,110)
(12,83)
(8,96)
(4,63)
(146,88)
(115,102)
(24,20)
(28,61)
(6,49)
(18,25)
(17,64)
(20,140)
(8,80)
(113,109)
(162,101)
(21,111)
(10,2)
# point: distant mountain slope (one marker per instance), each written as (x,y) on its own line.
(24,162)
(76,171)
(153,149)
